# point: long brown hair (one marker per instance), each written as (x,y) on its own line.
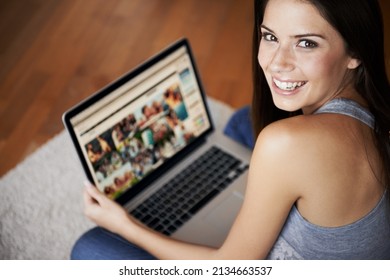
(361,26)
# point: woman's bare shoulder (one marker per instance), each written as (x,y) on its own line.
(303,146)
(281,153)
(297,132)
(305,131)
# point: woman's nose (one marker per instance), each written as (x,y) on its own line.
(282,60)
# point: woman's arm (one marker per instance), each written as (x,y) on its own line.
(269,196)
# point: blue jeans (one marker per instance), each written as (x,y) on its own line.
(100,244)
(239,127)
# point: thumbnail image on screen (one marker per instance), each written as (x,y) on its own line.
(124,154)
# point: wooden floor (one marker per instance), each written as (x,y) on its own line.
(54,53)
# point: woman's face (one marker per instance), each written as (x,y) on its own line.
(303,57)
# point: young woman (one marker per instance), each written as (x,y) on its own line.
(320,171)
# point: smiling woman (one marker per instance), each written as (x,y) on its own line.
(319,177)
(323,58)
(305,63)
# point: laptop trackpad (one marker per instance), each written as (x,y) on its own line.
(223,215)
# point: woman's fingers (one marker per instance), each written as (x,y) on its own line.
(93,195)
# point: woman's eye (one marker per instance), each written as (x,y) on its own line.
(269,37)
(307,44)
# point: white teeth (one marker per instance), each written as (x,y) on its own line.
(288,85)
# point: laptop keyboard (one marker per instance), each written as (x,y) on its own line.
(181,198)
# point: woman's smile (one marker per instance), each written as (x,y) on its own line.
(288,86)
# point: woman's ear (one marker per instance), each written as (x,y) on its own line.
(353,63)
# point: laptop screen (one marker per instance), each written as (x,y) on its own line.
(142,123)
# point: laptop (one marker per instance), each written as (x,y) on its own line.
(147,141)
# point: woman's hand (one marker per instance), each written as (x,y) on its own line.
(103,211)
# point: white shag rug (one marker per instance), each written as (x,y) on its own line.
(41,209)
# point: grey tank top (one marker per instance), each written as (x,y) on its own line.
(367,238)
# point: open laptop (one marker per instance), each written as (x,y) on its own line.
(147,140)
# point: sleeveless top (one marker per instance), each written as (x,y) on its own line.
(367,238)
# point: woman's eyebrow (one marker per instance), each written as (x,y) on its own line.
(297,36)
(310,35)
(265,27)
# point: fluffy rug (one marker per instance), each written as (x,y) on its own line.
(41,210)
